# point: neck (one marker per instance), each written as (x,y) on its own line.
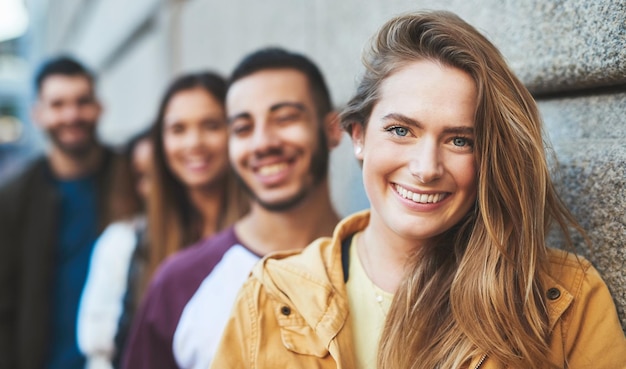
(266,231)
(384,257)
(208,201)
(65,166)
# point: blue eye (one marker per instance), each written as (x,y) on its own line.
(460,141)
(400,131)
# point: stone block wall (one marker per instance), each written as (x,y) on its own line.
(588,132)
(572,56)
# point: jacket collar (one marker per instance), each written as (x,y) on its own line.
(318,270)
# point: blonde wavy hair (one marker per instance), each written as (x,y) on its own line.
(478,290)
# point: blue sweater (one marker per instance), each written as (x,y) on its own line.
(78,229)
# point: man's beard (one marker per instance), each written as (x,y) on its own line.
(318,169)
(78,149)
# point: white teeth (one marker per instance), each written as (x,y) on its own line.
(195,163)
(269,170)
(420,198)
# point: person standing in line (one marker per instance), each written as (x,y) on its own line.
(450,268)
(192,195)
(50,216)
(119,258)
(282,128)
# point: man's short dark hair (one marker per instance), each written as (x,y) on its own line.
(278,58)
(61,65)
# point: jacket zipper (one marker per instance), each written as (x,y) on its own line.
(482,360)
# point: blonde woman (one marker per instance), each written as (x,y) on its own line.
(450,267)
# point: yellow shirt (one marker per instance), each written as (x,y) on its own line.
(368,309)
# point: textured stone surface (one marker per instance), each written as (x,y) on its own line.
(588,134)
(600,116)
(592,182)
(559,46)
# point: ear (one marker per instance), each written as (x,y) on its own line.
(332,129)
(358,139)
(99,108)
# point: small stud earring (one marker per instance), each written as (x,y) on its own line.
(358,150)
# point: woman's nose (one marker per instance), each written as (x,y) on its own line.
(425,163)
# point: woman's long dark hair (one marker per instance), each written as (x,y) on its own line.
(173,220)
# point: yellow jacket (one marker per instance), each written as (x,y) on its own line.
(293,313)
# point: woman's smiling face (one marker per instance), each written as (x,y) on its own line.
(419,168)
(195,138)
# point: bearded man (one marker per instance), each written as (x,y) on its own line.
(281,130)
(50,216)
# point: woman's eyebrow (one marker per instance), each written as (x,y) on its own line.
(462,129)
(402,118)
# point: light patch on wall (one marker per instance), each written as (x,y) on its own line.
(10,129)
(13,19)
